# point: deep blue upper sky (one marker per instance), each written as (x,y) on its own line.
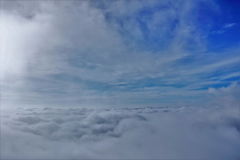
(223,25)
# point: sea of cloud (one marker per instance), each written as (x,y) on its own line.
(120,133)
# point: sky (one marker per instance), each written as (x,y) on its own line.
(120,79)
(118,53)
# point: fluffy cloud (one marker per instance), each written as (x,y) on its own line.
(142,133)
(227,96)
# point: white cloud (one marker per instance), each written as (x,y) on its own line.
(224,28)
(229,25)
(227,96)
(61,52)
(17,44)
(142,133)
(70,51)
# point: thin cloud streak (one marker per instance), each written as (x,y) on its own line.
(93,48)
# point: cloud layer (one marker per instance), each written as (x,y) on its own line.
(210,131)
(135,133)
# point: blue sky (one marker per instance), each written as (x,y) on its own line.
(119,52)
(222,24)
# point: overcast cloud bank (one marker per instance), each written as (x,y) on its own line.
(138,133)
(197,132)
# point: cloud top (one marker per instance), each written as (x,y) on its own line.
(142,133)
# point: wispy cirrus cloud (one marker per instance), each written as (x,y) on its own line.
(82,52)
(229,25)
